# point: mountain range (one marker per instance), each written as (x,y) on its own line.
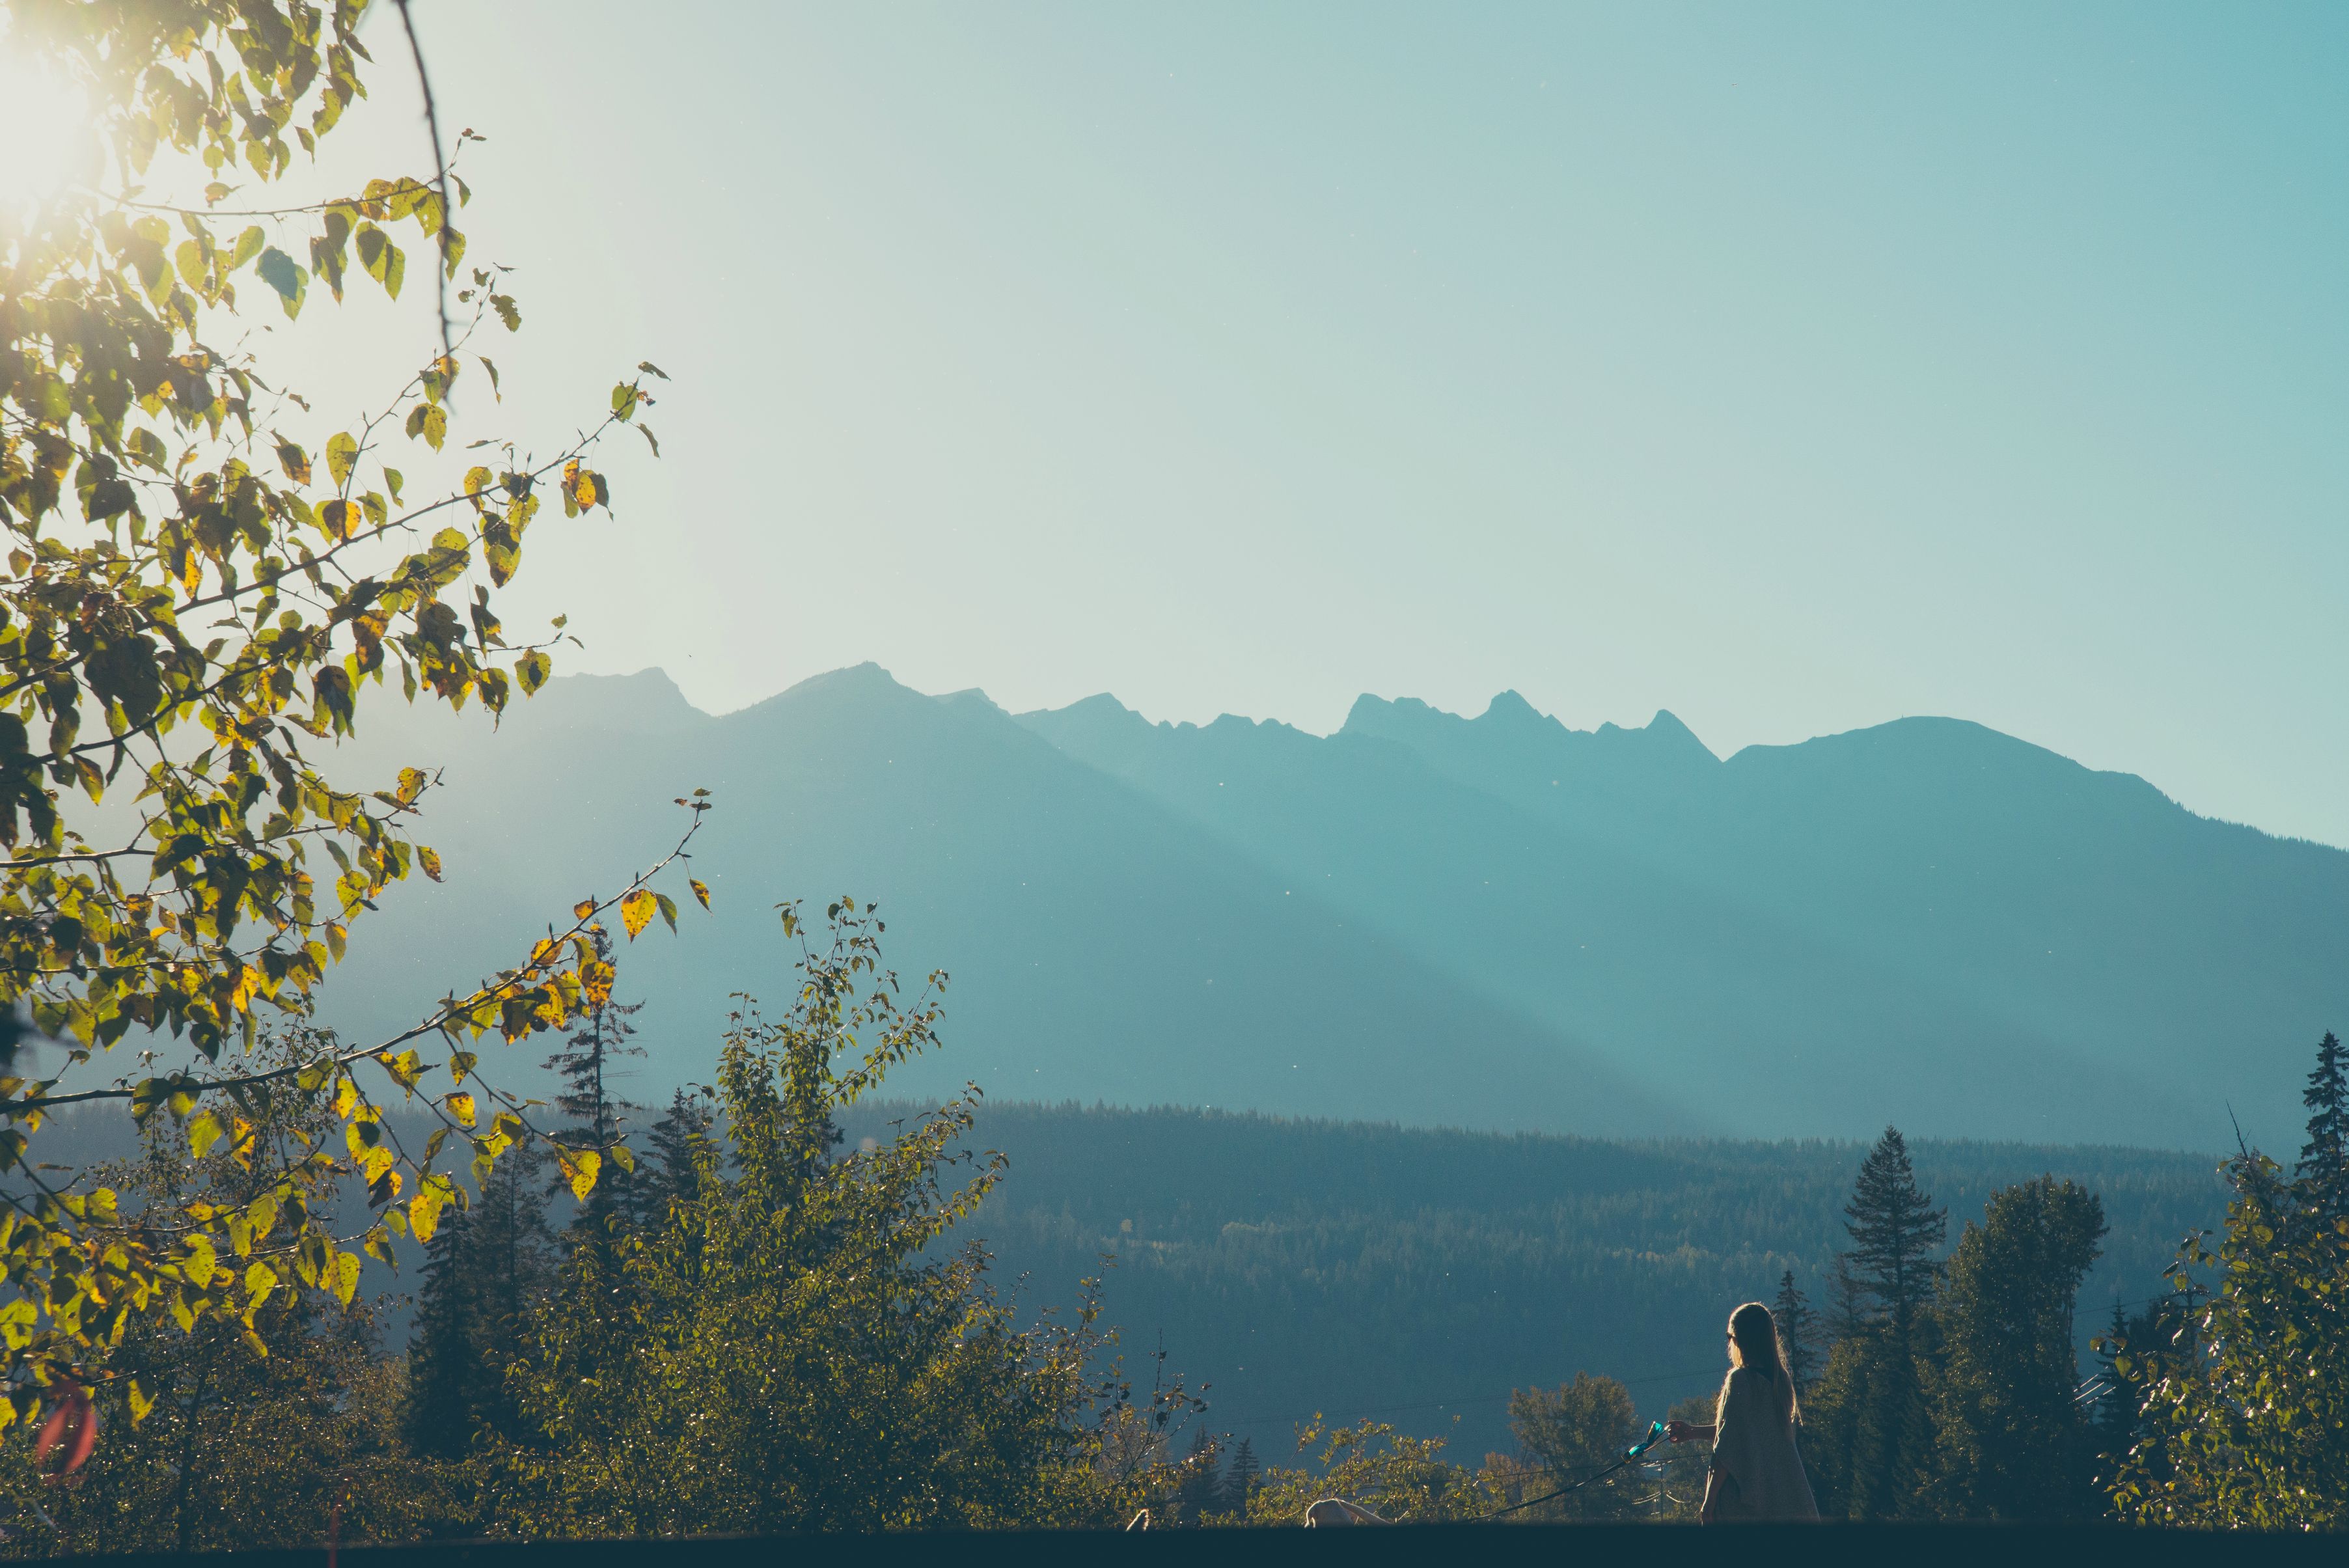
(1494,923)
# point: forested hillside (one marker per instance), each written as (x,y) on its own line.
(1494,923)
(1419,1276)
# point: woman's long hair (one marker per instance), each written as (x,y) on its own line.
(1755,1332)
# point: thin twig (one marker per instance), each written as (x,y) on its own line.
(440,175)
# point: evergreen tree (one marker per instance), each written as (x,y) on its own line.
(679,1145)
(1895,1230)
(1850,1307)
(2013,1442)
(444,1365)
(1201,1490)
(587,1067)
(2116,1423)
(2324,1167)
(1872,1431)
(1797,1333)
(486,1272)
(1240,1480)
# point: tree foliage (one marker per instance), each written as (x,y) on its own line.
(238,1448)
(204,581)
(1873,1432)
(1571,1433)
(2012,1439)
(809,1354)
(2245,1419)
(1402,1479)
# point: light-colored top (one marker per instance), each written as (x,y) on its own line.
(1758,1475)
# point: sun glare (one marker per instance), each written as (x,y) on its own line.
(45,139)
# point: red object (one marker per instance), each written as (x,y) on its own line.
(68,1437)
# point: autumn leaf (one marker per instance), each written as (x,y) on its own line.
(636,910)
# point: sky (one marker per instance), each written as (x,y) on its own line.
(1794,367)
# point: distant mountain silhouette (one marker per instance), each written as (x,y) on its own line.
(1496,922)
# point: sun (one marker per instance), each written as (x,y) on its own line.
(46,141)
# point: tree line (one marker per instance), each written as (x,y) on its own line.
(750,1324)
(1949,1388)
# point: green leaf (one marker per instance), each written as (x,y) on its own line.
(342,456)
(430,422)
(284,274)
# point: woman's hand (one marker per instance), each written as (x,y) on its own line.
(1688,1432)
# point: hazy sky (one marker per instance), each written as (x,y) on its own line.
(1791,367)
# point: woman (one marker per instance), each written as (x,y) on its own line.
(1756,1473)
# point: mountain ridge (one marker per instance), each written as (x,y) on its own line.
(1494,921)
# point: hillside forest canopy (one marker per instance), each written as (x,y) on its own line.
(721,1315)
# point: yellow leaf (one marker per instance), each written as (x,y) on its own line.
(581,1167)
(430,858)
(424,1213)
(700,890)
(636,910)
(347,1276)
(141,1403)
(460,1105)
(583,909)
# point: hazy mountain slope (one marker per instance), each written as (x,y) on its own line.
(1927,921)
(1495,922)
(2189,961)
(1745,1019)
(1100,945)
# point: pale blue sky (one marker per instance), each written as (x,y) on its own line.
(1791,367)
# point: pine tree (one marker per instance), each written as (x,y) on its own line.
(444,1365)
(2116,1406)
(1240,1480)
(486,1272)
(586,1063)
(1201,1490)
(1797,1333)
(678,1146)
(1895,1230)
(1850,1308)
(2325,1158)
(1870,1428)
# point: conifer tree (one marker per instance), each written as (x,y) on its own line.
(444,1365)
(2116,1408)
(1870,1428)
(1240,1479)
(1895,1230)
(678,1147)
(1201,1490)
(1797,1333)
(487,1269)
(587,1065)
(2323,1168)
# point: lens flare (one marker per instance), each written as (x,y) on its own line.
(47,142)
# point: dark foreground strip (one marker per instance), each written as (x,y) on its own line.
(1424,1546)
